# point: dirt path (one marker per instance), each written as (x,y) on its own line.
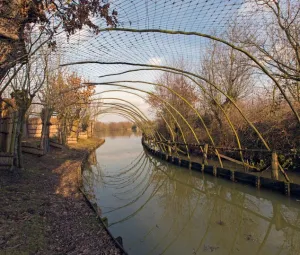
(42,211)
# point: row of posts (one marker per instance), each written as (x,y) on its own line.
(274,164)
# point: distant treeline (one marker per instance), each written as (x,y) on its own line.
(125,125)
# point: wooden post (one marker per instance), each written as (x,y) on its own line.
(105,221)
(205,151)
(257,182)
(274,174)
(202,168)
(287,189)
(120,240)
(215,171)
(169,148)
(232,176)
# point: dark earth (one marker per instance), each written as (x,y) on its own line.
(42,210)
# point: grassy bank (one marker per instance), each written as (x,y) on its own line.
(43,212)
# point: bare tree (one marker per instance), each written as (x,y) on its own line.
(17,16)
(274,39)
(24,86)
(182,86)
(231,72)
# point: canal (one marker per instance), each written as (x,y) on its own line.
(158,208)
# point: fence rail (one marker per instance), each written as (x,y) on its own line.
(287,188)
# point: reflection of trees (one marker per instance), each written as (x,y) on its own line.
(116,133)
(229,208)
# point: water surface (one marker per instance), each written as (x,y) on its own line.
(159,208)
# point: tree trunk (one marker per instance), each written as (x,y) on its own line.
(63,131)
(17,143)
(46,116)
(23,102)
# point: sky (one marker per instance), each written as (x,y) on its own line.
(206,16)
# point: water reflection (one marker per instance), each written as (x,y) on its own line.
(116,133)
(161,209)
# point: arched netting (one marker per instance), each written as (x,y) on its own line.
(217,72)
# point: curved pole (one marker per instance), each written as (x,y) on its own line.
(203,89)
(122,114)
(254,59)
(162,100)
(159,134)
(121,110)
(189,105)
(132,105)
(124,108)
(165,102)
(129,110)
(182,133)
(167,124)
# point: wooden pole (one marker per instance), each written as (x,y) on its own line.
(169,148)
(275,164)
(205,151)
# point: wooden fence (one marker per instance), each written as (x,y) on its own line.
(287,188)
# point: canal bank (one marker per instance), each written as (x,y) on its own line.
(43,211)
(287,188)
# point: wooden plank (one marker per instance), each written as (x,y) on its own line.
(176,161)
(295,189)
(196,166)
(209,170)
(56,145)
(272,184)
(238,162)
(245,178)
(225,173)
(184,163)
(33,150)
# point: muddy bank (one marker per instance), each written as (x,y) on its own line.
(43,212)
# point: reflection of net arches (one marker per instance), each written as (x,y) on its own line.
(215,196)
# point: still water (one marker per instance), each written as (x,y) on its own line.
(159,208)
